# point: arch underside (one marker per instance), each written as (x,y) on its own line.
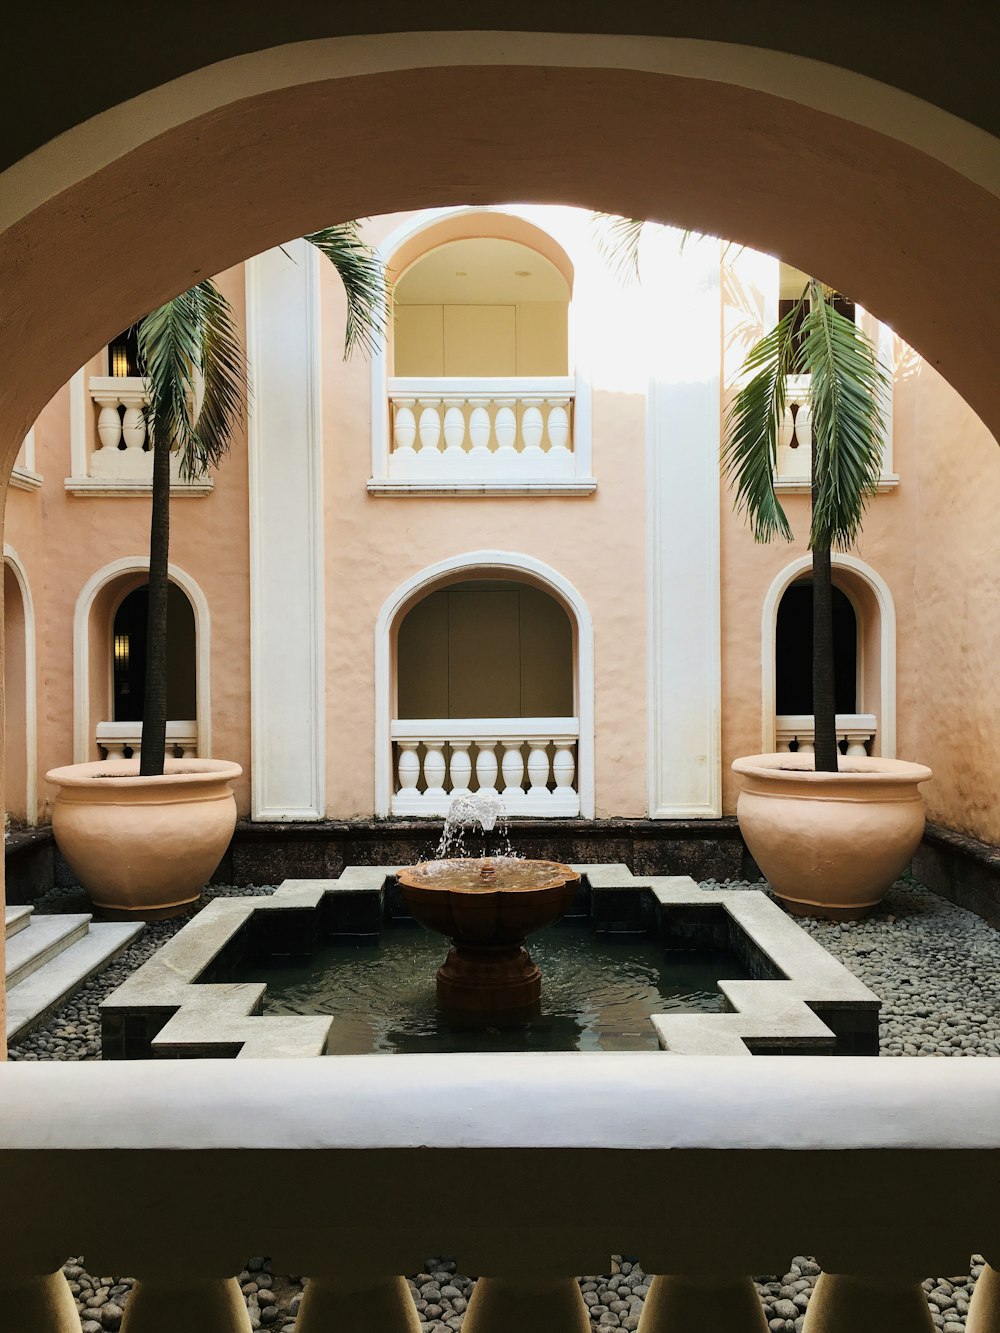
(910,238)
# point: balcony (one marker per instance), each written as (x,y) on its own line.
(536,771)
(793,472)
(498,1160)
(111,452)
(451,436)
(856,732)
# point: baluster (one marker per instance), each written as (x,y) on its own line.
(404,433)
(505,427)
(806,745)
(454,432)
(533,456)
(189,750)
(332,1303)
(512,768)
(843,1302)
(486,765)
(153,1305)
(671,1301)
(564,770)
(460,770)
(408,766)
(557,428)
(531,1305)
(984,1308)
(857,745)
(429,453)
(480,429)
(38,1304)
(538,770)
(434,771)
(109,423)
(785,744)
(134,425)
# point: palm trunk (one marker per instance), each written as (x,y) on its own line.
(154,710)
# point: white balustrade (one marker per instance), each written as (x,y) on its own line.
(534,758)
(175,1137)
(115,738)
(122,459)
(856,730)
(483,429)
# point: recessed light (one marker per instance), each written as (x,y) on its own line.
(522,273)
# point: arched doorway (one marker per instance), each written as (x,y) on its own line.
(864,659)
(109,637)
(20,720)
(484,680)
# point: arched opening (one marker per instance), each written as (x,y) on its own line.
(794,651)
(484,681)
(109,651)
(128,656)
(476,389)
(864,659)
(19,697)
(485,648)
(481,306)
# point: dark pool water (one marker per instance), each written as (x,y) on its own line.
(598,992)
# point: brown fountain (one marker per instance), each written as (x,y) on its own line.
(488,906)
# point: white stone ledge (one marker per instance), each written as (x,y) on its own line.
(129,486)
(803,485)
(481,489)
(25,478)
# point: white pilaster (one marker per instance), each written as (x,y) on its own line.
(288,725)
(682,433)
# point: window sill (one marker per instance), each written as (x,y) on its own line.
(481,489)
(24,479)
(99,487)
(803,485)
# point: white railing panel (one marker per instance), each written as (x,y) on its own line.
(482,429)
(531,761)
(115,738)
(858,730)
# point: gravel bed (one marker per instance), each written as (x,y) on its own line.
(933,964)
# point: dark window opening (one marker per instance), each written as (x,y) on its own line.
(842,304)
(123,353)
(793,652)
(128,646)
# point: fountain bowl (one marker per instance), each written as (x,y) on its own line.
(487,906)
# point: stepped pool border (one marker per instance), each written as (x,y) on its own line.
(181,1003)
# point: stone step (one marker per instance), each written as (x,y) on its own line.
(39,994)
(45,937)
(15,919)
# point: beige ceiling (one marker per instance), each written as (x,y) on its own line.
(481,271)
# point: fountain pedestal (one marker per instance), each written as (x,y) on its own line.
(488,906)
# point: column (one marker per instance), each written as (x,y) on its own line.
(153,1306)
(843,1303)
(683,438)
(984,1308)
(287,702)
(42,1304)
(332,1303)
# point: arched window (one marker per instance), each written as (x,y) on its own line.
(129,656)
(484,680)
(794,651)
(864,659)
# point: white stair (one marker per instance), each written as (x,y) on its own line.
(50,957)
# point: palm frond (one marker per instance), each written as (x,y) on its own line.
(618,241)
(847,384)
(365,282)
(750,445)
(193,334)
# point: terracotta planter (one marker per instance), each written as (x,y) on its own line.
(830,844)
(144,847)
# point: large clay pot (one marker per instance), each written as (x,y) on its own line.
(144,847)
(830,844)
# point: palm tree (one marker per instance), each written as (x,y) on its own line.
(846,389)
(193,361)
